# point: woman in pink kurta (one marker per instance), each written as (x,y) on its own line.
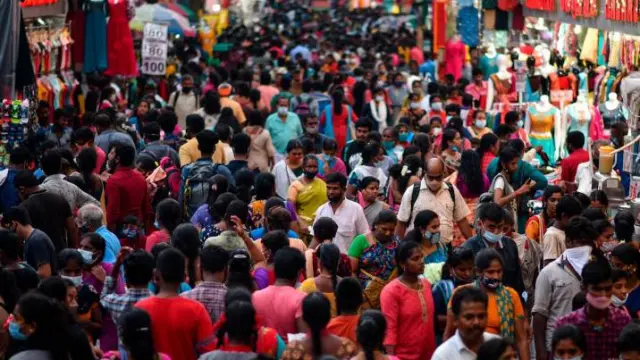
(407,304)
(454,53)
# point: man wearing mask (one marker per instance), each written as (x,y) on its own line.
(432,193)
(283,125)
(89,220)
(353,150)
(397,93)
(490,225)
(311,127)
(347,214)
(184,101)
(436,108)
(600,322)
(559,282)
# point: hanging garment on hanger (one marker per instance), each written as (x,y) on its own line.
(121,58)
(95,51)
(541,129)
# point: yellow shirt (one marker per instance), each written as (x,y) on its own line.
(235,107)
(309,286)
(189,153)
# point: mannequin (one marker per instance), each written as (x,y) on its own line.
(535,84)
(612,111)
(488,61)
(546,68)
(583,117)
(541,123)
(502,85)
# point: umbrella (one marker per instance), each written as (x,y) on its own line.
(181,9)
(303,51)
(155,13)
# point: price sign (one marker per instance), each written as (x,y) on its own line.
(154,49)
(561,95)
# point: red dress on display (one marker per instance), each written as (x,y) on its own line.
(454,53)
(120,57)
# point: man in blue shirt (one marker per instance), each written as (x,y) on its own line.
(283,125)
(20,159)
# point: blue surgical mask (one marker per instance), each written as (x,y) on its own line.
(156,224)
(87,256)
(283,110)
(455,148)
(491,237)
(130,233)
(433,238)
(520,124)
(15,332)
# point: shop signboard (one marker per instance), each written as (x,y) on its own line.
(154,49)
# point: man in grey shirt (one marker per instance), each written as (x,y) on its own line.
(55,182)
(559,282)
(107,134)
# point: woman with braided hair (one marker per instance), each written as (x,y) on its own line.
(328,261)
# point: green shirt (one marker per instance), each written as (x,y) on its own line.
(358,246)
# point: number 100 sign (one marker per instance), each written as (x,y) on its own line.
(154,49)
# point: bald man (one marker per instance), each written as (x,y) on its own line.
(438,196)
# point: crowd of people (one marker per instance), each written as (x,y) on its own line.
(315,195)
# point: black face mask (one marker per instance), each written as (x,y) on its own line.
(310,174)
(187,89)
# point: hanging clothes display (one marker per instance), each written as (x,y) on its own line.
(545,5)
(95,51)
(439,24)
(622,10)
(488,65)
(535,86)
(580,8)
(611,116)
(77,19)
(468,26)
(121,58)
(585,119)
(454,53)
(563,81)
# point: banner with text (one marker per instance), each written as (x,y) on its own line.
(154,49)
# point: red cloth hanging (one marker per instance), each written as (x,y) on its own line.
(439,23)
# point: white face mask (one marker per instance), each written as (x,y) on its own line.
(282,110)
(76,280)
(617,302)
(436,106)
(578,257)
(481,124)
(379,98)
(436,131)
(520,124)
(415,105)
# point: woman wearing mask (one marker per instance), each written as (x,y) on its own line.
(338,119)
(451,149)
(40,323)
(489,148)
(619,292)
(391,144)
(402,177)
(373,257)
(138,118)
(537,224)
(371,154)
(407,305)
(210,110)
(316,313)
(286,171)
(328,162)
(378,110)
(328,262)
(471,182)
(568,342)
(414,114)
(168,217)
(505,314)
(503,193)
(308,192)
(372,327)
(437,109)
(456,271)
(262,151)
(436,127)
(426,232)
(478,126)
(404,134)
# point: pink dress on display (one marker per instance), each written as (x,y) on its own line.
(121,59)
(454,53)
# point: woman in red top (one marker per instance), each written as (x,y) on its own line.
(488,149)
(335,120)
(407,304)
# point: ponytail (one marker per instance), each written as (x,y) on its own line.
(329,257)
(316,312)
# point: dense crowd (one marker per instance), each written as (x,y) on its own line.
(324,191)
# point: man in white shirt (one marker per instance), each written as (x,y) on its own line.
(469,307)
(184,101)
(347,214)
